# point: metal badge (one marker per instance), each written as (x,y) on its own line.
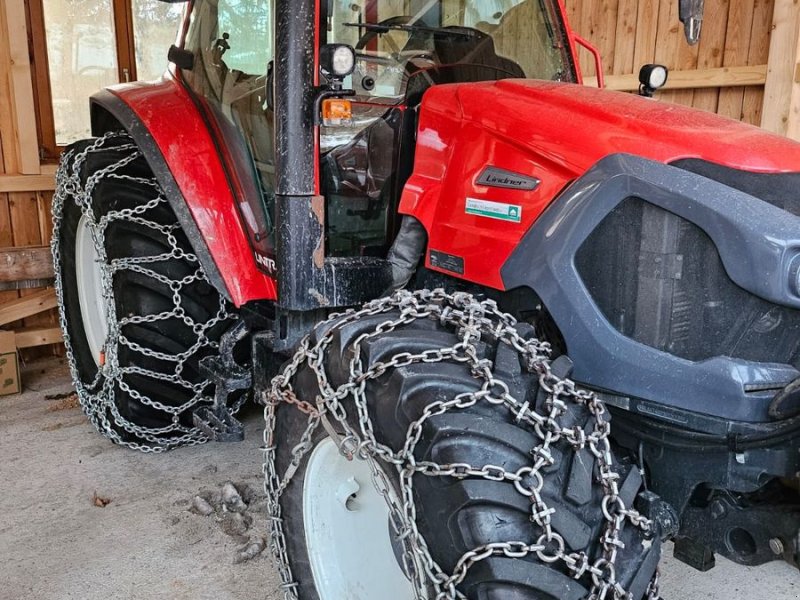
(494,177)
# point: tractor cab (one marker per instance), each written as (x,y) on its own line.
(355,132)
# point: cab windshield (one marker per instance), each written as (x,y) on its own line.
(398,39)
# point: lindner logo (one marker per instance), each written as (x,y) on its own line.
(494,177)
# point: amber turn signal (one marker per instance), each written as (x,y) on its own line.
(336,111)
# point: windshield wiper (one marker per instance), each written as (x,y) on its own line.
(385,28)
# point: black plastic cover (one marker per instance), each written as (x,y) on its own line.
(757,244)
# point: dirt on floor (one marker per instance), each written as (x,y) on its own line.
(83,519)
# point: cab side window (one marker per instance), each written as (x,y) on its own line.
(232,45)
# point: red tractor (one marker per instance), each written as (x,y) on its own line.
(407,230)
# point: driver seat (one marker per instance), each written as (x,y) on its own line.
(467,46)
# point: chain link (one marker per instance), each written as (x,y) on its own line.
(472,321)
(98,397)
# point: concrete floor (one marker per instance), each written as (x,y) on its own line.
(55,544)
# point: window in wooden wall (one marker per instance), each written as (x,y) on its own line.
(80,46)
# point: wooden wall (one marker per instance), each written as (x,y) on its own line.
(25,185)
(746,46)
(735,34)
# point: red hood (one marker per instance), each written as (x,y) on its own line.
(553,132)
(575,126)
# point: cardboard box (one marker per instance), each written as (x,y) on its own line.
(9,365)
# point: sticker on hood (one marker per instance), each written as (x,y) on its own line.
(494,210)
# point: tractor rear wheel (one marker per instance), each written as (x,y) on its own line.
(337,527)
(137,311)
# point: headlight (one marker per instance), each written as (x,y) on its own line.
(652,77)
(794,276)
(337,60)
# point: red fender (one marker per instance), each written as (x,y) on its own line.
(164,121)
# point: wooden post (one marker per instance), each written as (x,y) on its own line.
(21,86)
(781,109)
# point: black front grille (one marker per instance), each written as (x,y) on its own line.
(659,280)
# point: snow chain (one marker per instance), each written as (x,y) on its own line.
(98,397)
(472,320)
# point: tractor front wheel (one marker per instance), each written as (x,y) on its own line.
(436,465)
(137,311)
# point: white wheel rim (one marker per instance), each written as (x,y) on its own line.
(89,276)
(347,530)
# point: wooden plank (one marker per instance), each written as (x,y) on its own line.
(711,50)
(625,39)
(33,262)
(28,305)
(737,46)
(6,238)
(41,80)
(758,54)
(7,119)
(26,226)
(44,204)
(673,51)
(782,92)
(16,288)
(666,49)
(22,88)
(698,79)
(644,50)
(574,8)
(29,338)
(24,219)
(604,31)
(583,24)
(27,183)
(126,50)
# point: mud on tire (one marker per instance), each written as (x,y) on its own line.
(134,344)
(458,512)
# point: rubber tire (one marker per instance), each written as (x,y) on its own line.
(135,293)
(458,515)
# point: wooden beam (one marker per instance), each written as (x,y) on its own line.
(694,79)
(22,88)
(28,338)
(27,306)
(28,262)
(27,183)
(781,110)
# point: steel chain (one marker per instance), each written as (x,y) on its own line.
(97,398)
(473,321)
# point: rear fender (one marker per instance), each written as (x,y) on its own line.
(175,140)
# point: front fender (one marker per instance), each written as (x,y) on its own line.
(175,139)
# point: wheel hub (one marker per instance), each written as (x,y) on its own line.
(346,532)
(89,277)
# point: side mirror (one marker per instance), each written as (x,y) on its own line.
(690,13)
(652,78)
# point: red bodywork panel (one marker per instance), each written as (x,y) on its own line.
(553,132)
(170,115)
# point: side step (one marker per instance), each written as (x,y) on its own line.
(216,421)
